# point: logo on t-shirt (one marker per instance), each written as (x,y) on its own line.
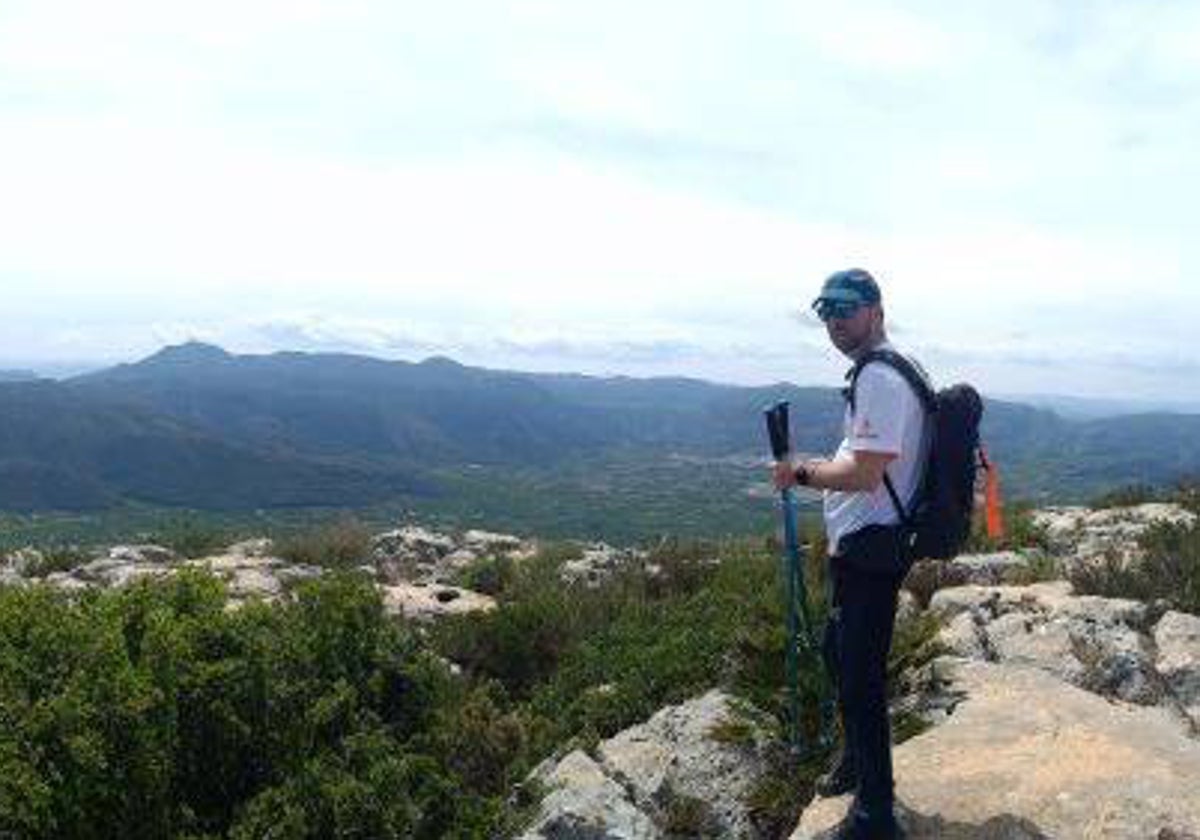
(864,430)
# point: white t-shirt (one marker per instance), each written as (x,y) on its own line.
(888,417)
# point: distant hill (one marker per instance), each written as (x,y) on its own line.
(1098,408)
(438,411)
(18,375)
(194,425)
(67,448)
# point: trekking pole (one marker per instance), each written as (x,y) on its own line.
(799,622)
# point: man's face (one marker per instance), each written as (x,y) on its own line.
(853,332)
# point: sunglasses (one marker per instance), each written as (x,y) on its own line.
(828,310)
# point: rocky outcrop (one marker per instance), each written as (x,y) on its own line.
(22,562)
(1104,645)
(251,570)
(1081,535)
(586,804)
(1025,755)
(122,565)
(929,576)
(416,555)
(1177,638)
(598,563)
(689,766)
(425,602)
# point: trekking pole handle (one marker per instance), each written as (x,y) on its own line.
(777,430)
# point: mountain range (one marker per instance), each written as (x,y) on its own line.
(198,427)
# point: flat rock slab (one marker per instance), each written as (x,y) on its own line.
(1025,755)
(428,602)
(684,758)
(1177,638)
(586,804)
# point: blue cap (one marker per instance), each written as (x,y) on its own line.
(850,286)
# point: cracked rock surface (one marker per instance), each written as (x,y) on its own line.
(1025,755)
(1109,646)
(641,777)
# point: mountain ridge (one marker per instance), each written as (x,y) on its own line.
(198,426)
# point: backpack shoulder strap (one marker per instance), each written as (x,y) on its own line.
(916,378)
(913,374)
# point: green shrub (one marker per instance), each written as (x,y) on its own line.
(59,558)
(154,712)
(593,661)
(1042,566)
(779,795)
(1187,493)
(1168,570)
(342,544)
(192,535)
(489,575)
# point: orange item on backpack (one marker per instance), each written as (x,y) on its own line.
(993,507)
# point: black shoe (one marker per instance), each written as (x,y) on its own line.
(850,829)
(840,778)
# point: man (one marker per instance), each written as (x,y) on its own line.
(884,437)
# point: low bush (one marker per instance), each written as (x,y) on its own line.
(341,544)
(492,576)
(1168,570)
(58,558)
(153,712)
(192,535)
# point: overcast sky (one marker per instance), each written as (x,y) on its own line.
(639,187)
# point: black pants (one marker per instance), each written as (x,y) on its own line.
(866,575)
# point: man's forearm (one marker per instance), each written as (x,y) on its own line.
(845,474)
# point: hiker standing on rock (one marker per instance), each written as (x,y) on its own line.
(877,469)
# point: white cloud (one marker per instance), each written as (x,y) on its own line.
(636,178)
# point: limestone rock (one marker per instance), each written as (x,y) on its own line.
(291,575)
(250,582)
(1094,643)
(907,607)
(599,562)
(1025,755)
(964,636)
(259,547)
(1084,536)
(990,569)
(231,562)
(416,555)
(65,582)
(585,804)
(116,572)
(22,562)
(674,757)
(143,554)
(995,600)
(396,552)
(1177,637)
(486,542)
(426,602)
(703,756)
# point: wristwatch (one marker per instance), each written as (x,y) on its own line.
(801,475)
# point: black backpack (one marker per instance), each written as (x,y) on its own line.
(939,521)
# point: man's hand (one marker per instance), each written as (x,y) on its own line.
(784,473)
